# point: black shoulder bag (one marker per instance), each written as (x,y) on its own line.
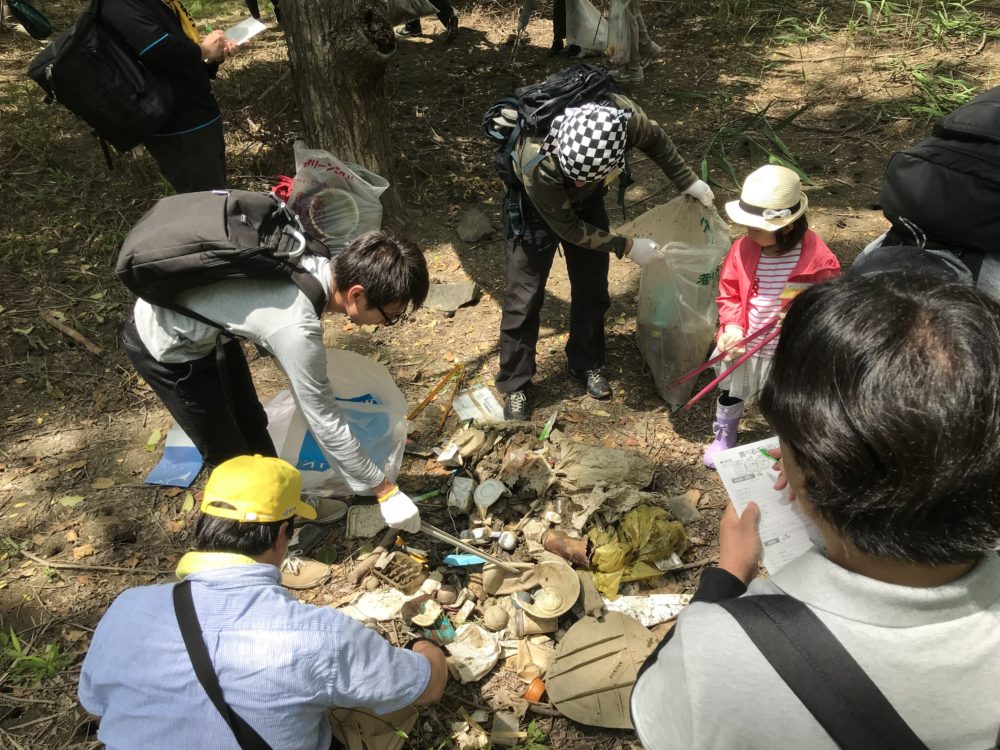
(822,674)
(187,618)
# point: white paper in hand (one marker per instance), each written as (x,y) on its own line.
(245,30)
(785,532)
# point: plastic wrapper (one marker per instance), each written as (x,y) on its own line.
(335,200)
(585,26)
(677,316)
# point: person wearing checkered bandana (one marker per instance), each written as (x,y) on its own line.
(565,175)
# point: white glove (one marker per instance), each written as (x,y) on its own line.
(730,336)
(702,192)
(645,252)
(399,511)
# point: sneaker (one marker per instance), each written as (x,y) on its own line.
(451,28)
(556,48)
(596,384)
(412,28)
(515,406)
(303,573)
(574,50)
(631,74)
(648,53)
(328,509)
(306,538)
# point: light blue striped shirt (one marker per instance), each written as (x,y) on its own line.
(281,665)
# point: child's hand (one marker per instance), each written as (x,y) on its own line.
(782,481)
(213,46)
(739,542)
(728,339)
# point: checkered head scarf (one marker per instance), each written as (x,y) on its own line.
(589,141)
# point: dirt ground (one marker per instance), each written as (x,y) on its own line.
(76,423)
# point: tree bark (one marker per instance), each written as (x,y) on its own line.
(339,51)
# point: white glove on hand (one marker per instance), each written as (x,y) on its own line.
(702,192)
(728,339)
(645,252)
(399,511)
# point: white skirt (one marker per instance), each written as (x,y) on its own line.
(745,383)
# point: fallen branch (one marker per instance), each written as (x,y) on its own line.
(80,566)
(49,317)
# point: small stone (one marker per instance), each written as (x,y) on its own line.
(495,618)
(474,226)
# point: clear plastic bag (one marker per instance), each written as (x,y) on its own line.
(335,200)
(620,33)
(585,26)
(401,11)
(373,406)
(677,316)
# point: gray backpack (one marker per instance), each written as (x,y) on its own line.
(194,239)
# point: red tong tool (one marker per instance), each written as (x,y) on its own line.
(771,330)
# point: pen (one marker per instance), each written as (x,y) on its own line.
(765,454)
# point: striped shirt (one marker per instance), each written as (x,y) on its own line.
(773,272)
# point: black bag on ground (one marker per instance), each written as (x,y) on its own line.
(948,185)
(96,76)
(193,239)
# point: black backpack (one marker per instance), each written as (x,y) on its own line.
(530,111)
(96,76)
(947,187)
(194,239)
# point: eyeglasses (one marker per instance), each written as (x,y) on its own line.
(388,320)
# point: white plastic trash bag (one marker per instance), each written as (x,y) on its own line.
(373,406)
(401,11)
(585,26)
(473,653)
(335,200)
(677,316)
(620,33)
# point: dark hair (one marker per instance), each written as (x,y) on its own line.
(390,269)
(886,392)
(791,235)
(214,534)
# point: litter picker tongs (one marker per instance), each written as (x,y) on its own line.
(769,332)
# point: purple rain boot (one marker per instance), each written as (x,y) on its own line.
(726,429)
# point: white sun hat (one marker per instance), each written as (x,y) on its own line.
(772,198)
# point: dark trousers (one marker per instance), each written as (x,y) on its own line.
(529,260)
(193,161)
(198,395)
(444,12)
(558,19)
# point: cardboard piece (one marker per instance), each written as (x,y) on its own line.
(596,664)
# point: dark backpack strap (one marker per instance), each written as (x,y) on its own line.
(822,674)
(187,619)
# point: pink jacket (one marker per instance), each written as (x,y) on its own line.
(739,270)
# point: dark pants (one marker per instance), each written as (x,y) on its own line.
(193,161)
(444,12)
(529,259)
(198,395)
(558,19)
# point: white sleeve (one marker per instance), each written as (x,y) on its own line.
(300,352)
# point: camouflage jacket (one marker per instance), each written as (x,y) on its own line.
(554,197)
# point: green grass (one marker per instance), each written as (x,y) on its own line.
(755,137)
(27,665)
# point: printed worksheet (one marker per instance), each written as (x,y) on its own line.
(244,31)
(785,532)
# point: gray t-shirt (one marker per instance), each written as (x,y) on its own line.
(278,316)
(933,652)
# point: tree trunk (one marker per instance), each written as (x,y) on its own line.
(339,51)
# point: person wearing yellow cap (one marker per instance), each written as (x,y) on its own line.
(279,665)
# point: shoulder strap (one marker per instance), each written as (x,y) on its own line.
(822,674)
(187,618)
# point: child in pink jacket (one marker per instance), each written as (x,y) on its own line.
(778,250)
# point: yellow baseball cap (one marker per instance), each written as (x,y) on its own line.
(255,489)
